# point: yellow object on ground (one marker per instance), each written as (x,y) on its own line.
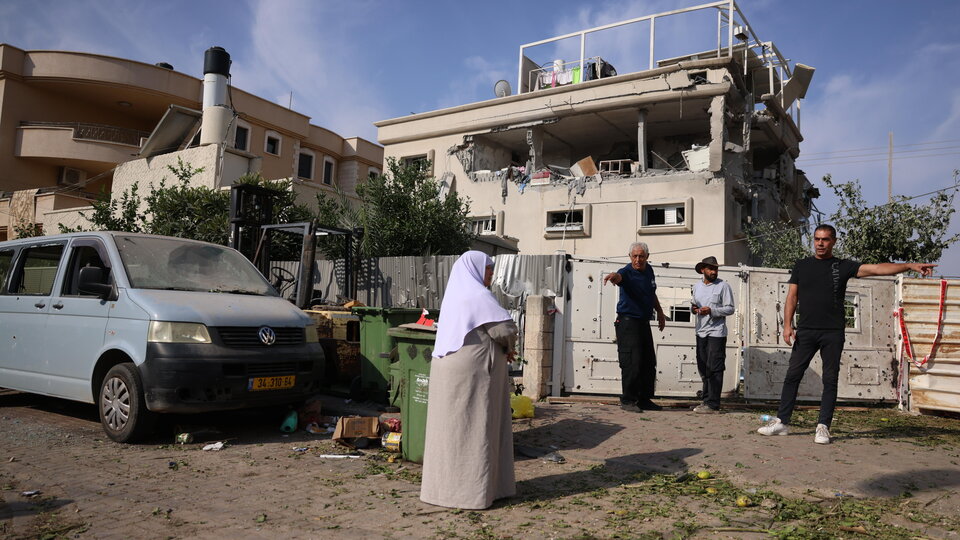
(522,406)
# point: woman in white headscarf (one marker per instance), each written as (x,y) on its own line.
(468,451)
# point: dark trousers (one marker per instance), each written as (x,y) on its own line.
(711,361)
(638,362)
(806,344)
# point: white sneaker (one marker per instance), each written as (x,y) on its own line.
(823,435)
(774,427)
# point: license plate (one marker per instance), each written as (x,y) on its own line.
(271,383)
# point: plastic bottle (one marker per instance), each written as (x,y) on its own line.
(765,418)
(289,424)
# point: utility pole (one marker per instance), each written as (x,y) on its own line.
(890,170)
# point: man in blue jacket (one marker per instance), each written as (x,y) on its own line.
(638,300)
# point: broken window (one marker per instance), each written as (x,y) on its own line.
(484,225)
(570,220)
(675,302)
(664,215)
(851,310)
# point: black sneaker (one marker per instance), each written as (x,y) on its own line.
(647,405)
(631,407)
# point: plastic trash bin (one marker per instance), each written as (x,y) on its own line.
(414,348)
(376,344)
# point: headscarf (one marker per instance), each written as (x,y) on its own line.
(467,303)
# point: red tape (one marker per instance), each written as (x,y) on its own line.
(907,345)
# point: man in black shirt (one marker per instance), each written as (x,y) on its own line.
(819,284)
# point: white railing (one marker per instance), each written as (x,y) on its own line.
(734,34)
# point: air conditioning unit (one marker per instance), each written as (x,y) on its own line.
(72,177)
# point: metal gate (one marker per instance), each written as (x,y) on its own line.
(868,366)
(589,344)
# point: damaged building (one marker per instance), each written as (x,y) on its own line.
(683,153)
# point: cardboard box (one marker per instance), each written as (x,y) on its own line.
(357,426)
(584,167)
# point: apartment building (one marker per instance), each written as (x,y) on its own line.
(681,153)
(68,119)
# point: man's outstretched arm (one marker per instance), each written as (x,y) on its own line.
(889,269)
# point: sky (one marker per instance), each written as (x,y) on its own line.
(882,66)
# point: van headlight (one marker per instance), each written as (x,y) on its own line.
(177,332)
(310,332)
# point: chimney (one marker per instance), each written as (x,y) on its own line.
(217,116)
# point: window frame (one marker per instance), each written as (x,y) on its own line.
(17,276)
(686,226)
(313,163)
(245,126)
(333,171)
(70,269)
(270,134)
(569,231)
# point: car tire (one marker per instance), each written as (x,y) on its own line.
(123,409)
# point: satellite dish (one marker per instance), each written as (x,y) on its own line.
(502,88)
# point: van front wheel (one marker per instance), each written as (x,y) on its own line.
(123,410)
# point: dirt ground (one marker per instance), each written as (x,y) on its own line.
(625,475)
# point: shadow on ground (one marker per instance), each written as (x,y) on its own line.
(612,472)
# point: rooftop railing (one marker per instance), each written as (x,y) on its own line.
(735,35)
(97,132)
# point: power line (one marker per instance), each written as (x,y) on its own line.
(832,163)
(804,159)
(880,147)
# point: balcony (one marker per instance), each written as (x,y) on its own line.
(78,144)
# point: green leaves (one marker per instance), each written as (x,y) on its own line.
(896,231)
(776,244)
(403,213)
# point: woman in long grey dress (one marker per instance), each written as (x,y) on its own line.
(468,451)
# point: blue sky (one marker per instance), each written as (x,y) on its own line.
(881,65)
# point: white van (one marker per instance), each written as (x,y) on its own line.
(142,324)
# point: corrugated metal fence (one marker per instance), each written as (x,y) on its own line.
(420,281)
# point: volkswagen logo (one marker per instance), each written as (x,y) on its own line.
(267,335)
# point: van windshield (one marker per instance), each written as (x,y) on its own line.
(184,265)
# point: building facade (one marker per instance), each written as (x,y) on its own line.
(68,119)
(682,154)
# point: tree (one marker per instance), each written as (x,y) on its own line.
(896,231)
(403,213)
(777,244)
(197,212)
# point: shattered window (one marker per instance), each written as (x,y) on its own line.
(851,310)
(571,220)
(664,215)
(675,302)
(484,225)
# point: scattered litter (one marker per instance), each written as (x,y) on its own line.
(554,457)
(32,493)
(184,438)
(339,456)
(300,449)
(842,494)
(314,428)
(11,460)
(214,446)
(538,452)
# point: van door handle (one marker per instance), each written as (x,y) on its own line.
(40,305)
(57,306)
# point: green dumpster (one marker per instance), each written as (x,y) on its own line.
(414,348)
(376,344)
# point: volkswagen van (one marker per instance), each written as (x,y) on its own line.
(141,324)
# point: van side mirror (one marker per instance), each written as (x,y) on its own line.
(92,281)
